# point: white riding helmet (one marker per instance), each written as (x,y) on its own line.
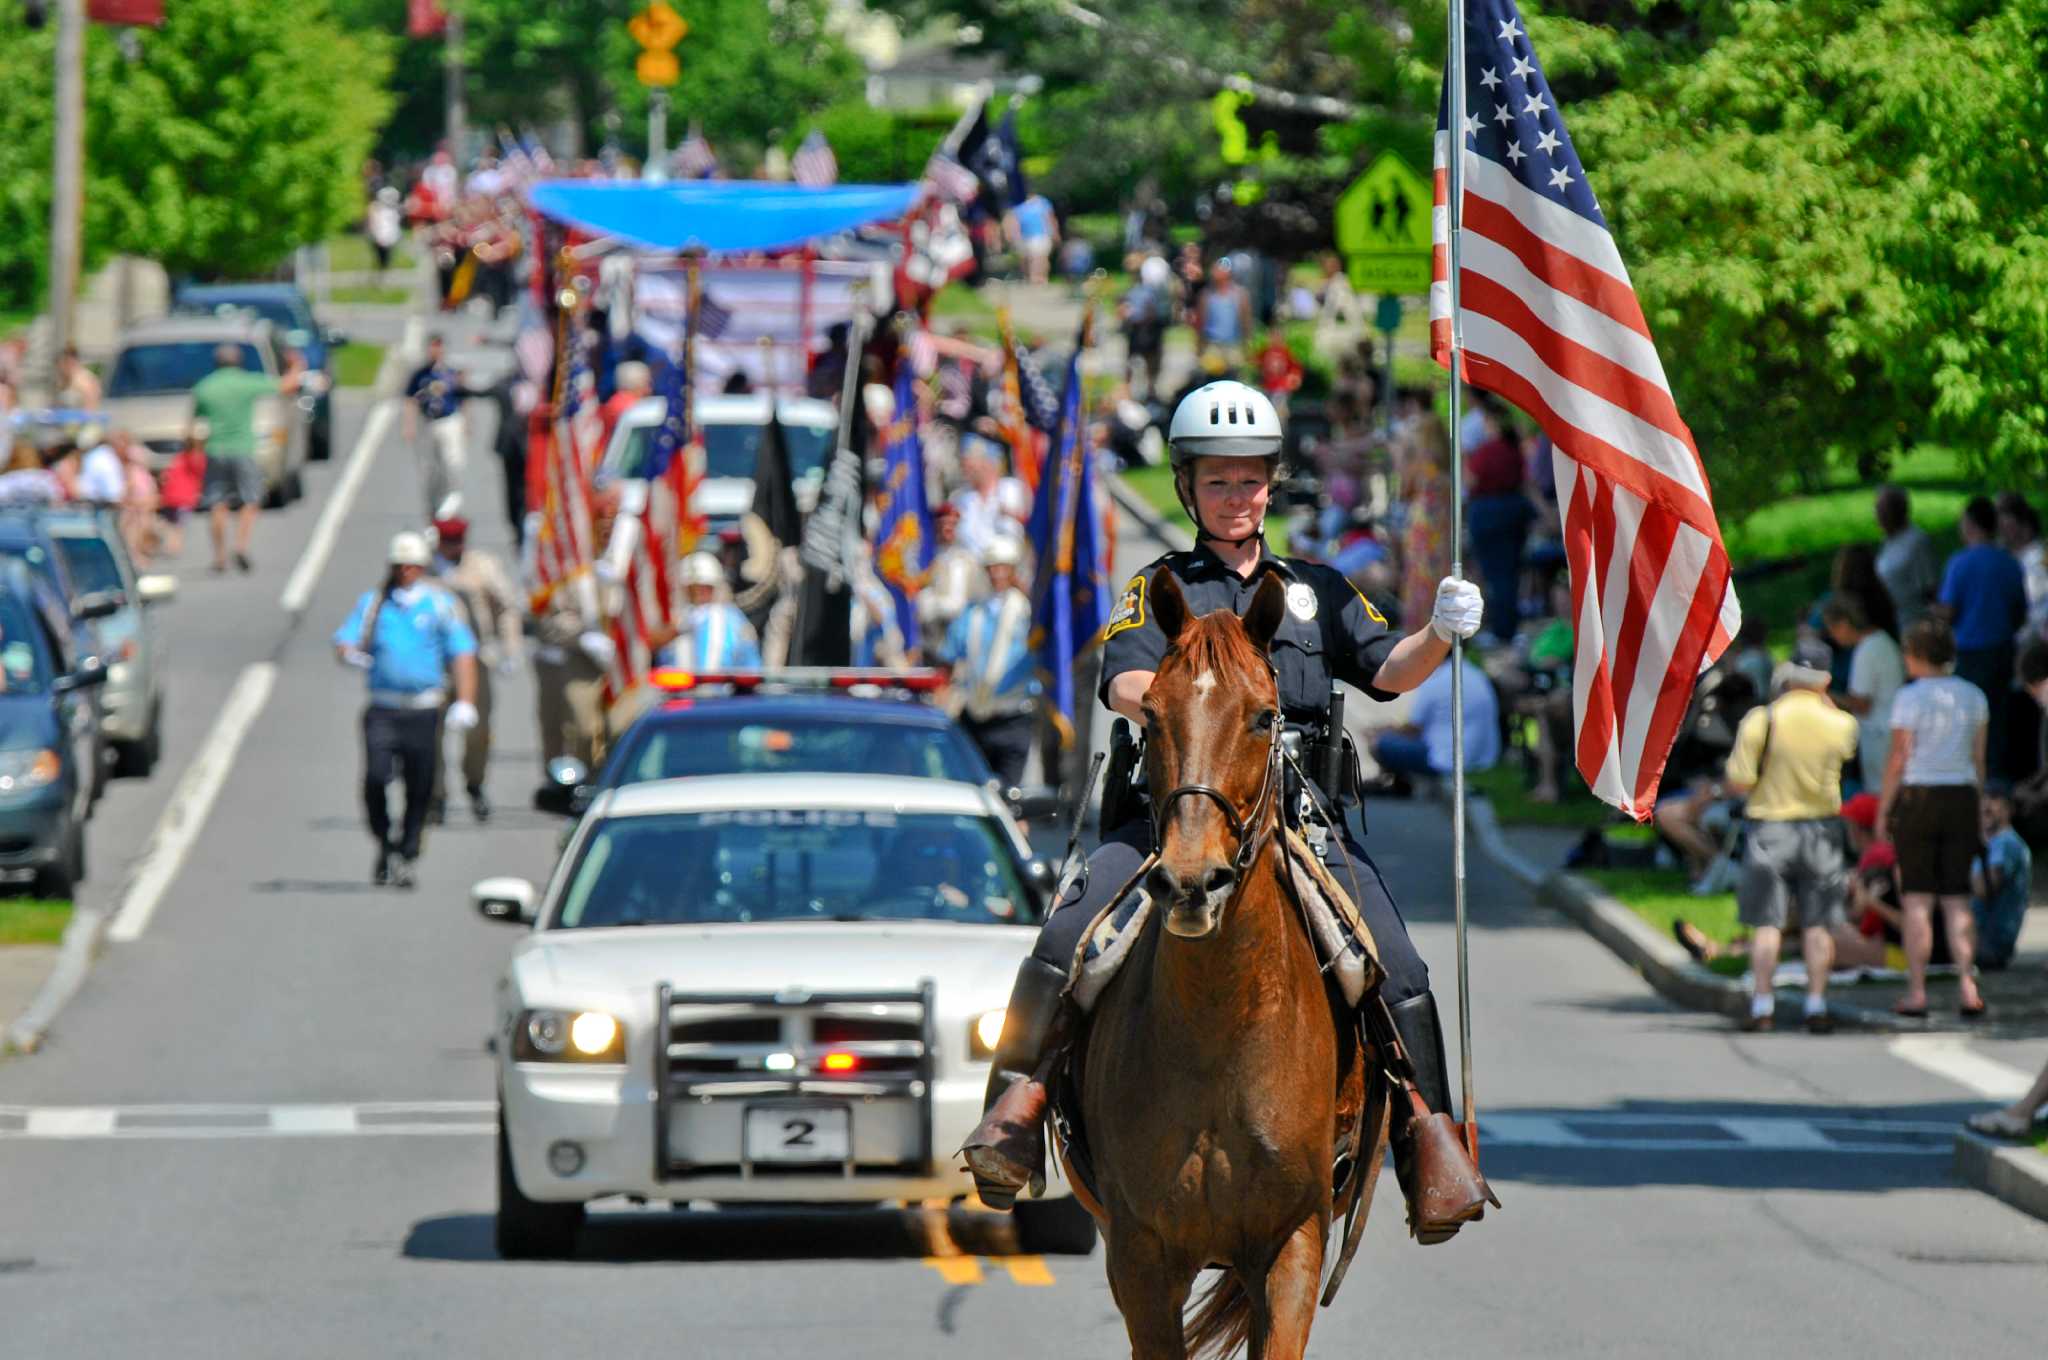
(1004,550)
(1225,419)
(702,569)
(409,549)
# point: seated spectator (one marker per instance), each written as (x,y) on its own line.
(1876,670)
(1548,695)
(102,479)
(2000,878)
(1788,761)
(1422,746)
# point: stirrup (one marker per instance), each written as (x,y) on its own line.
(1443,1188)
(1006,1151)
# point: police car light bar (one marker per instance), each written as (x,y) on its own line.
(920,681)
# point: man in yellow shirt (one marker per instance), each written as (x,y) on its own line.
(1788,759)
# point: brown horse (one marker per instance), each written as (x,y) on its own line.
(1216,1067)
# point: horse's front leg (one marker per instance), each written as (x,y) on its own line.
(1282,1314)
(1151,1289)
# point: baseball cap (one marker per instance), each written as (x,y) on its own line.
(1861,811)
(1811,663)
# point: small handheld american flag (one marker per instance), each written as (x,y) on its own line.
(814,165)
(1546,317)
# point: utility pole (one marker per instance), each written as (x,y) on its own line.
(457,106)
(67,196)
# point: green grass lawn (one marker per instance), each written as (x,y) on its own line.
(32,920)
(1508,791)
(1660,897)
(352,252)
(966,309)
(1154,486)
(372,296)
(356,364)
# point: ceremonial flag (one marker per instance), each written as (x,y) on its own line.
(775,485)
(1547,319)
(814,165)
(563,550)
(903,526)
(694,159)
(996,161)
(950,167)
(1070,593)
(1026,404)
(425,19)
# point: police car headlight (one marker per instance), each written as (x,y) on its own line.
(984,1034)
(568,1036)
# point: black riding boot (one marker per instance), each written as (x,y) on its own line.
(1444,1188)
(1006,1151)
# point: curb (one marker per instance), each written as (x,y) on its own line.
(1657,958)
(2011,1172)
(83,938)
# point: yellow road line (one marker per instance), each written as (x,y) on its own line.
(1027,1270)
(956,1269)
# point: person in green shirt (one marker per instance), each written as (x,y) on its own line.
(225,401)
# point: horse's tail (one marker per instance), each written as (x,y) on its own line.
(1222,1320)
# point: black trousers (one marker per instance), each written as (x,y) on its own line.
(1006,742)
(402,744)
(1124,849)
(1990,669)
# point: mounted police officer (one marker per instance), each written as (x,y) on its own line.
(1226,442)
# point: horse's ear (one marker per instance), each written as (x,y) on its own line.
(1169,606)
(1268,610)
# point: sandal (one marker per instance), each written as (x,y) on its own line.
(1972,1014)
(1900,1008)
(2000,1124)
(1695,941)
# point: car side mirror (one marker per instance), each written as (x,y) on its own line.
(1032,804)
(567,791)
(335,339)
(504,899)
(91,673)
(98,604)
(156,588)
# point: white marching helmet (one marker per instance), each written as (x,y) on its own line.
(702,569)
(1225,419)
(409,549)
(1004,550)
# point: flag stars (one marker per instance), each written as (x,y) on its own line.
(1515,153)
(1547,142)
(1471,125)
(1535,104)
(1560,178)
(1489,78)
(1523,69)
(1510,30)
(1501,115)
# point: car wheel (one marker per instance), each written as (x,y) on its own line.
(529,1230)
(274,497)
(320,443)
(1054,1227)
(294,486)
(58,881)
(135,759)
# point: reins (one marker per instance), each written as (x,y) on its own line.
(1251,828)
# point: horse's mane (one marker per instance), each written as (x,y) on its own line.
(1217,642)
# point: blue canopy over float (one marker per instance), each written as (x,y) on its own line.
(718,216)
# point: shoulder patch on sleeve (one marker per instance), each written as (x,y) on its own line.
(1370,612)
(1130,608)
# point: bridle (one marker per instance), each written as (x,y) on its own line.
(1251,828)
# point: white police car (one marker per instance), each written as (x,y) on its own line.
(760,988)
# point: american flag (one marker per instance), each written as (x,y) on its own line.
(694,159)
(1549,320)
(954,182)
(814,165)
(654,515)
(565,539)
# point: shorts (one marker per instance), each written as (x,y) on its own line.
(1794,875)
(1934,828)
(234,482)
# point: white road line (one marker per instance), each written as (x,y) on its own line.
(68,1122)
(1947,1056)
(313,1119)
(191,801)
(299,589)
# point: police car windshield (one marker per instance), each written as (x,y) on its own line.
(732,450)
(170,367)
(794,864)
(742,745)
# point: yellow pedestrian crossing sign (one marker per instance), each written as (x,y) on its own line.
(658,28)
(1383,228)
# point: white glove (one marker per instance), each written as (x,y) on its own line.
(1458,609)
(606,571)
(507,665)
(357,657)
(461,716)
(597,647)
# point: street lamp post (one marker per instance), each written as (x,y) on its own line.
(67,195)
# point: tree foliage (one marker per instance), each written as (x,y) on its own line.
(236,134)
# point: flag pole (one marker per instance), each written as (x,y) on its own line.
(1454,161)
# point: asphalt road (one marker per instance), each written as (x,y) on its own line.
(262,1128)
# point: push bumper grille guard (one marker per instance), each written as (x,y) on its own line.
(668,1087)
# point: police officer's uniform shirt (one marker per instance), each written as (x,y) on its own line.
(1329,631)
(714,637)
(420,632)
(436,389)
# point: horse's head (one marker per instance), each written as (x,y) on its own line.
(1212,727)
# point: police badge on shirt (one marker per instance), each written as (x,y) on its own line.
(1130,609)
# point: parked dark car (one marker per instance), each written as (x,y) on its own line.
(48,736)
(25,537)
(132,703)
(291,316)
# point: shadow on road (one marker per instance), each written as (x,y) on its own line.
(649,1235)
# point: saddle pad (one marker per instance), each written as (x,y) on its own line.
(1341,938)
